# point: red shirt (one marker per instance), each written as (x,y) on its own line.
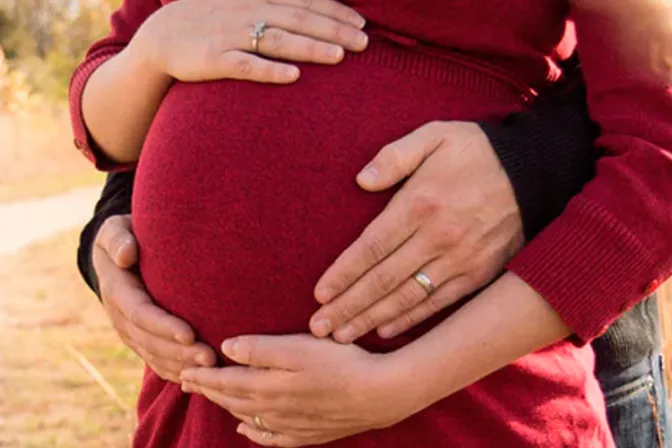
(245,194)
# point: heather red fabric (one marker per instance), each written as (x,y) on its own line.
(245,193)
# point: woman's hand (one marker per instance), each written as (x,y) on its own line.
(456,219)
(202,40)
(307,391)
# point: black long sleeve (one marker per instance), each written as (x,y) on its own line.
(548,155)
(114,200)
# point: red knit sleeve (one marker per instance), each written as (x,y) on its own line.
(613,243)
(124,23)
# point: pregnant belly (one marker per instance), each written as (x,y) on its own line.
(245,193)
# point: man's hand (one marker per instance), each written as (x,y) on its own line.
(163,341)
(307,391)
(456,219)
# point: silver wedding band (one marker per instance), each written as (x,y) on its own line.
(425,282)
(257,34)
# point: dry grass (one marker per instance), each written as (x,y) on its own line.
(48,398)
(37,155)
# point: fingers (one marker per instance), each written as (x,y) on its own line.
(373,286)
(281,44)
(282,352)
(246,66)
(241,382)
(311,24)
(116,239)
(267,438)
(399,159)
(328,8)
(448,294)
(121,290)
(387,232)
(197,354)
(402,299)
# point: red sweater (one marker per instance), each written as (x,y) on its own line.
(245,194)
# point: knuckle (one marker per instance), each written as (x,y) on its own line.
(434,304)
(407,298)
(299,16)
(338,32)
(277,40)
(381,281)
(344,311)
(375,249)
(426,203)
(243,67)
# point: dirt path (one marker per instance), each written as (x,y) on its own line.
(26,222)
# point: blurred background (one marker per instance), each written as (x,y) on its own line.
(65,378)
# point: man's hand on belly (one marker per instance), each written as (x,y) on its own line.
(163,341)
(447,232)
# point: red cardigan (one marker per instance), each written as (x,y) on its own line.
(204,176)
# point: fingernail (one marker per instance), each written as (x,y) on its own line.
(321,328)
(182,339)
(229,347)
(335,52)
(202,359)
(345,335)
(368,175)
(362,40)
(323,295)
(387,332)
(186,388)
(292,72)
(239,429)
(358,21)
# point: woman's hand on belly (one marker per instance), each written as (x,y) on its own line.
(196,40)
(306,391)
(456,222)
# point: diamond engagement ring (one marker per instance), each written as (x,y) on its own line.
(425,282)
(256,34)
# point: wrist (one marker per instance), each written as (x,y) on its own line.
(142,58)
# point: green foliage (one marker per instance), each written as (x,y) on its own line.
(44,40)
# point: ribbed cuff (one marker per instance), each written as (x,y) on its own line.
(83,140)
(588,266)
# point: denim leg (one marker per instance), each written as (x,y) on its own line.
(637,406)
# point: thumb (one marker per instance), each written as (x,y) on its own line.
(280,352)
(400,159)
(115,237)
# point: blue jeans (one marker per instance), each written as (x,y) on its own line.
(637,406)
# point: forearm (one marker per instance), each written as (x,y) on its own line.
(547,154)
(505,322)
(120,101)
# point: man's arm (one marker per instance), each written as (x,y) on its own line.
(547,153)
(114,200)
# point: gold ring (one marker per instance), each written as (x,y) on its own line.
(425,282)
(259,423)
(256,34)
